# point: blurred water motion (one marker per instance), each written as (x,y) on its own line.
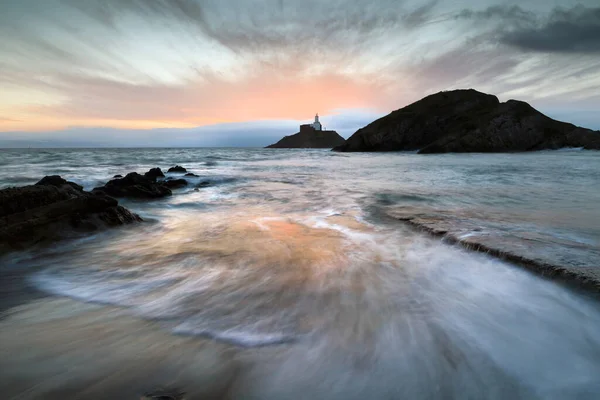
(284,279)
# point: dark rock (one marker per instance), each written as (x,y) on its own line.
(52,210)
(164,394)
(118,176)
(541,255)
(154,173)
(203,184)
(468,121)
(191,175)
(175,183)
(136,186)
(177,168)
(55,180)
(309,138)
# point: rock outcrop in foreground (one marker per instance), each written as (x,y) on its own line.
(135,186)
(55,209)
(310,139)
(463,121)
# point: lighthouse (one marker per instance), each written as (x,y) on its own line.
(317,125)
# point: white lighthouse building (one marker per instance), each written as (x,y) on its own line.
(317,125)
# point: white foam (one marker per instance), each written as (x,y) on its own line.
(240,337)
(571,149)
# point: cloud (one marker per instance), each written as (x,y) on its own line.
(269,94)
(244,134)
(242,26)
(513,14)
(135,64)
(575,30)
(563,30)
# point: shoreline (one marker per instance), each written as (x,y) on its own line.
(560,274)
(15,290)
(57,348)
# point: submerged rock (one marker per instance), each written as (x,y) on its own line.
(175,183)
(534,252)
(136,186)
(177,168)
(468,121)
(192,175)
(154,173)
(54,209)
(164,394)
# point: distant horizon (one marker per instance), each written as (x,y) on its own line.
(249,134)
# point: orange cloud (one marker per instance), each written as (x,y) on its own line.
(99,102)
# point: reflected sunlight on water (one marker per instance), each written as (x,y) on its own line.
(290,255)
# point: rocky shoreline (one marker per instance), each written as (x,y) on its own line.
(54,208)
(584,278)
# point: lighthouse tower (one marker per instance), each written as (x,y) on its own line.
(317,125)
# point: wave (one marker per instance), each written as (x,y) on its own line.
(241,337)
(566,149)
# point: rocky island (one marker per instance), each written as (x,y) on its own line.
(462,121)
(311,136)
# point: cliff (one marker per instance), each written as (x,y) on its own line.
(468,121)
(309,138)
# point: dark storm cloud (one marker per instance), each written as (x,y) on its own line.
(566,31)
(573,30)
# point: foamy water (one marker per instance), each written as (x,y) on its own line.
(293,249)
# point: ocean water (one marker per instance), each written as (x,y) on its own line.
(295,249)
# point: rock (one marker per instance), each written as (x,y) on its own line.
(468,121)
(203,184)
(192,175)
(177,168)
(55,180)
(154,173)
(164,394)
(540,255)
(175,183)
(136,186)
(309,138)
(118,176)
(54,209)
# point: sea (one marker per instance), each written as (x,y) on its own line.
(298,250)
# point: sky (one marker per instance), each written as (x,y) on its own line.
(246,72)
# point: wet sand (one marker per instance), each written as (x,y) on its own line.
(58,348)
